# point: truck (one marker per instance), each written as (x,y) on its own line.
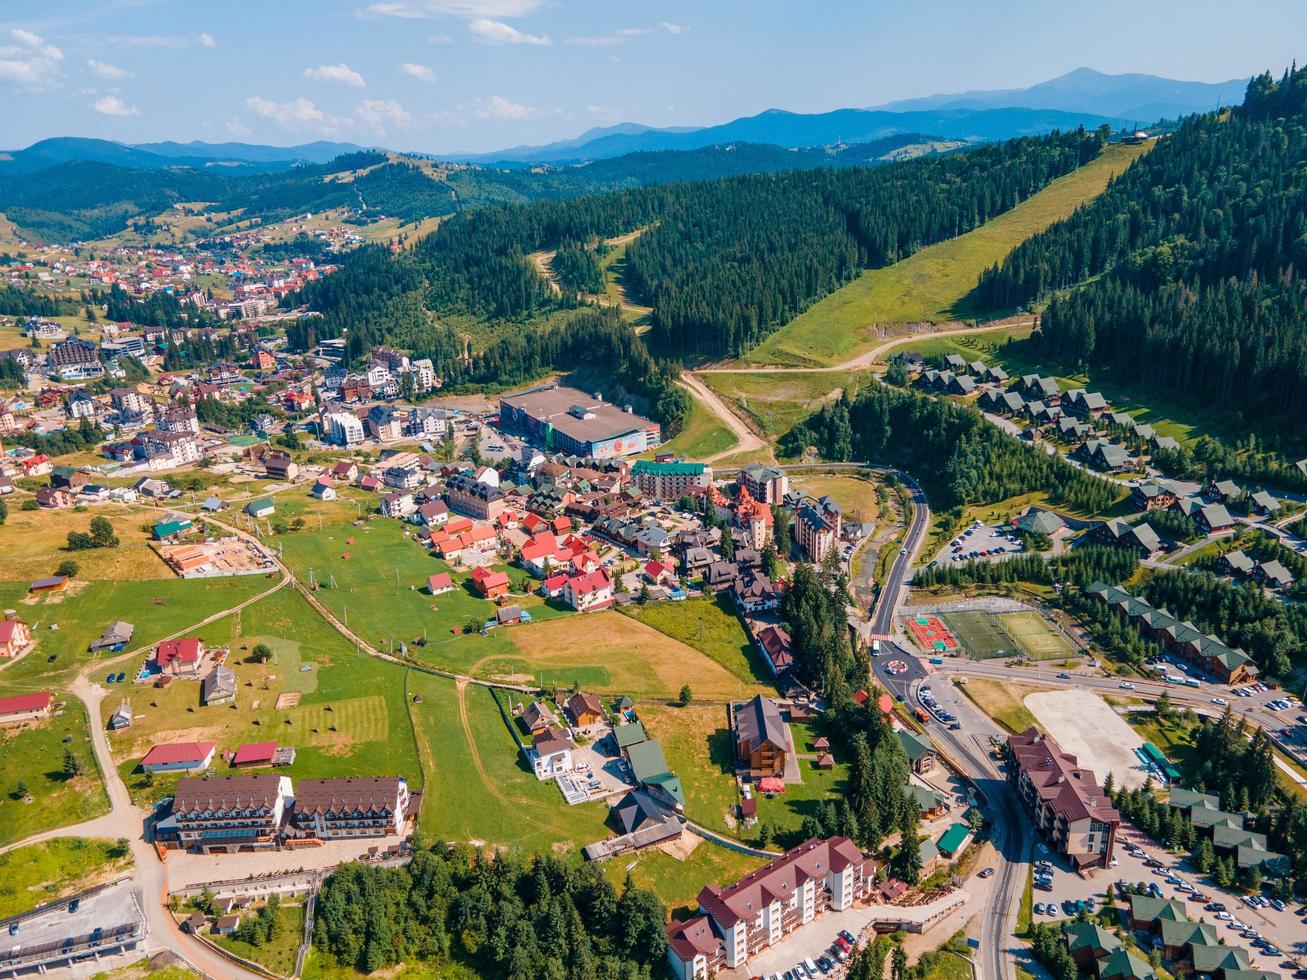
(875,648)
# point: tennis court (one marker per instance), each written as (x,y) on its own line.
(931,634)
(981,635)
(1036,637)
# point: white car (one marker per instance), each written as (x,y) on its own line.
(1127,686)
(1221,701)
(1224,917)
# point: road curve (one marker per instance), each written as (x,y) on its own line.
(746,442)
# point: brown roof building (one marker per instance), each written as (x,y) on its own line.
(585,709)
(762,908)
(329,809)
(1066,803)
(761,741)
(228,814)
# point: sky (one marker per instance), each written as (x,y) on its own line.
(442,76)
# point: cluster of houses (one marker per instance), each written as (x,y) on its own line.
(1179,638)
(1271,574)
(263,811)
(1228,832)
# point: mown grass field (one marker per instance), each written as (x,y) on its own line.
(1003,701)
(678,882)
(859,499)
(775,402)
(981,634)
(932,284)
(478,787)
(697,743)
(711,627)
(34,756)
(1037,639)
(352,719)
(44,872)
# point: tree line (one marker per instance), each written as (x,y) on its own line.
(958,457)
(1081,567)
(1192,261)
(723,262)
(510,916)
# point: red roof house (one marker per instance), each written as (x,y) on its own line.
(440,582)
(490,584)
(178,756)
(254,754)
(176,656)
(25,707)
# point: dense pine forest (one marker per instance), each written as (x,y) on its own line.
(1198,249)
(721,262)
(508,916)
(958,457)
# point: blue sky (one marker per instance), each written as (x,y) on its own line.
(447,75)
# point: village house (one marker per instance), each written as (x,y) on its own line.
(19,709)
(179,657)
(218,687)
(1152,496)
(179,757)
(1140,537)
(589,591)
(397,504)
(551,753)
(14,637)
(762,742)
(584,709)
(489,583)
(919,750)
(777,647)
(280,465)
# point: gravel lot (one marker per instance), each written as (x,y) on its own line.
(1086,726)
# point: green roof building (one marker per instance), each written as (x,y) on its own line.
(954,840)
(1126,965)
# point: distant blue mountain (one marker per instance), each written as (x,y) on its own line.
(1143,98)
(161,156)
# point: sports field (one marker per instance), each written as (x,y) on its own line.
(1036,637)
(981,635)
(987,635)
(931,634)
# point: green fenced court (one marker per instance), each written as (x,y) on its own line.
(1036,636)
(981,635)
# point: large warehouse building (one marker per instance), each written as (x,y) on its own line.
(569,420)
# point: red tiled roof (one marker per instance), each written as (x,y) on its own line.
(187,650)
(174,752)
(8,629)
(441,580)
(20,703)
(692,938)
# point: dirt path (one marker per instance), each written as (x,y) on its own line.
(544,263)
(746,441)
(869,357)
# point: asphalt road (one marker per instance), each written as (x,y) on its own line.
(891,596)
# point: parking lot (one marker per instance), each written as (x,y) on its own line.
(106,910)
(809,942)
(991,542)
(1285,930)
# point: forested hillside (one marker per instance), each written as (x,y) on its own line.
(722,262)
(1193,260)
(958,457)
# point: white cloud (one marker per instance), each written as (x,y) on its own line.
(111,105)
(497,32)
(672,28)
(206,40)
(616,37)
(111,72)
(30,63)
(377,114)
(147,41)
(452,8)
(440,40)
(238,128)
(421,72)
(293,114)
(335,73)
(498,107)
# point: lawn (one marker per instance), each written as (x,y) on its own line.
(477,785)
(66,623)
(352,719)
(786,811)
(696,741)
(859,499)
(35,756)
(34,542)
(984,345)
(678,882)
(773,403)
(380,588)
(618,655)
(1003,701)
(702,435)
(932,284)
(44,872)
(279,953)
(711,627)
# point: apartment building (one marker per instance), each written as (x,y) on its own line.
(342,429)
(764,483)
(229,814)
(1065,801)
(330,809)
(737,922)
(817,527)
(670,481)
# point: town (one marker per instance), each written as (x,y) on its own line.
(838,544)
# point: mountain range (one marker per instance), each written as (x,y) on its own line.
(233,157)
(1082,97)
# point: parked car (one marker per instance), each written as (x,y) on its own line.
(987,873)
